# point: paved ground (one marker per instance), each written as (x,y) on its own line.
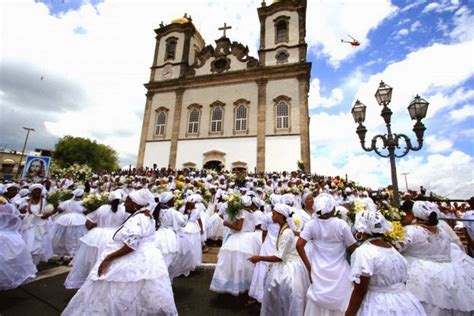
(47,295)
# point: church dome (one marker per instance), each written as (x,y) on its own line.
(181,20)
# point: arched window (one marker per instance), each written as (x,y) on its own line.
(160,123)
(282,115)
(241,118)
(193,125)
(171,44)
(281,29)
(216,119)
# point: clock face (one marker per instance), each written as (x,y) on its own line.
(167,72)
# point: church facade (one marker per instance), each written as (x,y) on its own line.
(211,106)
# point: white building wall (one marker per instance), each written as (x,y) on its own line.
(166,100)
(293,35)
(294,55)
(157,152)
(289,88)
(236,149)
(282,153)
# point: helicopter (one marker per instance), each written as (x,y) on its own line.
(354,42)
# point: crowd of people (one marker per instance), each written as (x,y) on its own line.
(291,243)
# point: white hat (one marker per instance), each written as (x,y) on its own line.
(282,209)
(12,185)
(324,203)
(165,197)
(371,222)
(141,197)
(348,190)
(246,200)
(115,195)
(36,186)
(23,192)
(78,193)
(423,209)
(288,199)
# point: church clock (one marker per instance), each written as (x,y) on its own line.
(167,72)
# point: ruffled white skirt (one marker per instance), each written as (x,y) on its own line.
(446,285)
(397,303)
(286,285)
(135,284)
(215,227)
(233,273)
(38,239)
(92,245)
(16,263)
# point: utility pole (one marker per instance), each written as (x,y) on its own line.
(406,182)
(28,130)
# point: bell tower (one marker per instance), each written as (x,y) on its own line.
(282,32)
(176,47)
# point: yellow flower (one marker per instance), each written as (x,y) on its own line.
(297,221)
(397,233)
(359,206)
(2,200)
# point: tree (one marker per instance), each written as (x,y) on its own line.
(99,157)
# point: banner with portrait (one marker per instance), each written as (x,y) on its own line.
(36,168)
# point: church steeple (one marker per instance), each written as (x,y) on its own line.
(282,32)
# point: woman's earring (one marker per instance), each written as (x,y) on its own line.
(358,236)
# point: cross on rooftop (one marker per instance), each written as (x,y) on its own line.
(224,28)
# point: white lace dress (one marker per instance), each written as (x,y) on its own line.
(169,239)
(16,263)
(94,243)
(135,284)
(36,232)
(233,273)
(69,227)
(387,294)
(331,289)
(215,225)
(287,281)
(191,253)
(268,248)
(443,286)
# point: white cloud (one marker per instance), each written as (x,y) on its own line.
(324,35)
(316,100)
(464,25)
(415,26)
(437,144)
(466,112)
(412,5)
(431,7)
(402,32)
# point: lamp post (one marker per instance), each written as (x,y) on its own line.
(391,141)
(28,130)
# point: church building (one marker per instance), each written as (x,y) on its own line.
(216,106)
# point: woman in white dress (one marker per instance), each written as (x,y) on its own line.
(192,232)
(443,286)
(233,273)
(16,263)
(287,281)
(328,268)
(168,237)
(36,225)
(69,226)
(103,223)
(131,278)
(379,273)
(269,236)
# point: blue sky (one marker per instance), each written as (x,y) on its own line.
(95,56)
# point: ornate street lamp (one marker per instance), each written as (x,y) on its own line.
(390,142)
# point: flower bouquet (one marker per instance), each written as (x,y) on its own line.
(234,205)
(93,201)
(59,196)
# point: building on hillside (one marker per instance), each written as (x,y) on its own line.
(216,106)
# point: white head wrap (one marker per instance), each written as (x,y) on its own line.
(371,222)
(12,185)
(78,193)
(246,200)
(115,195)
(23,192)
(141,197)
(165,197)
(369,204)
(288,199)
(195,198)
(2,188)
(275,198)
(258,202)
(324,203)
(282,209)
(423,209)
(36,186)
(305,196)
(348,190)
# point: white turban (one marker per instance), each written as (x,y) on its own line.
(282,209)
(369,204)
(78,193)
(12,185)
(371,222)
(2,188)
(288,199)
(423,209)
(195,198)
(348,190)
(115,195)
(165,197)
(246,200)
(35,186)
(23,192)
(305,196)
(141,197)
(324,203)
(258,202)
(275,198)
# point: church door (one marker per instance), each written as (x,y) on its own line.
(214,165)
